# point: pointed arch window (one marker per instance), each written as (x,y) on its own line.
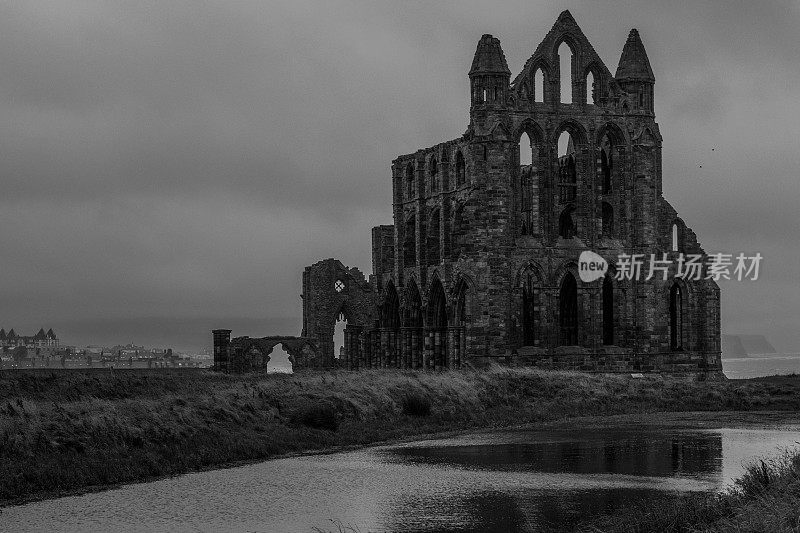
(460,304)
(590,89)
(528,204)
(608,220)
(676,317)
(606,165)
(461,177)
(567,169)
(565,58)
(608,311)
(412,314)
(568,307)
(409,181)
(438,306)
(437,325)
(674,237)
(677,236)
(445,171)
(530,311)
(538,85)
(566,224)
(529,201)
(390,310)
(525,150)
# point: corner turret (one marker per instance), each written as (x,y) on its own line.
(634,73)
(489,76)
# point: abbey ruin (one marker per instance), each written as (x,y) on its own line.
(480,264)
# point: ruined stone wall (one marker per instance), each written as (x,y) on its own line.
(245,354)
(331,290)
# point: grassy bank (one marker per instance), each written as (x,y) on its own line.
(68,430)
(765,498)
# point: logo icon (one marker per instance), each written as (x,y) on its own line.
(591,266)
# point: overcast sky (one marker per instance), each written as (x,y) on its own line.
(186,160)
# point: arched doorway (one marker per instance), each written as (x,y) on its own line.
(279,362)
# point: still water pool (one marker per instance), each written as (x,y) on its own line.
(514,480)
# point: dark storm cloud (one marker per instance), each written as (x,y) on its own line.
(186,159)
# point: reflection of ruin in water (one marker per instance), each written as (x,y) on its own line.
(635,454)
(692,455)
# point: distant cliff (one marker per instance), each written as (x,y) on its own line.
(734,346)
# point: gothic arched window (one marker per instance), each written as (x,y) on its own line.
(409,181)
(606,165)
(566,225)
(568,306)
(434,172)
(538,86)
(567,169)
(565,61)
(461,177)
(608,219)
(530,311)
(675,317)
(608,311)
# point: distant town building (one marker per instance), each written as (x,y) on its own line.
(39,344)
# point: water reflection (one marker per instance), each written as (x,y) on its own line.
(498,482)
(614,452)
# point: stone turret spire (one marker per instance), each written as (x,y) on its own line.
(489,57)
(633,63)
(489,78)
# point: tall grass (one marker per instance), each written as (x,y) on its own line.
(67,430)
(766,498)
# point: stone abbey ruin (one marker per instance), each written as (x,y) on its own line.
(480,264)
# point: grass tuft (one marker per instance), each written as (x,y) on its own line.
(415,404)
(317,417)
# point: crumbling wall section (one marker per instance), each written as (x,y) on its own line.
(332,290)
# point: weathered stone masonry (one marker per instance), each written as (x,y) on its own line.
(481,262)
